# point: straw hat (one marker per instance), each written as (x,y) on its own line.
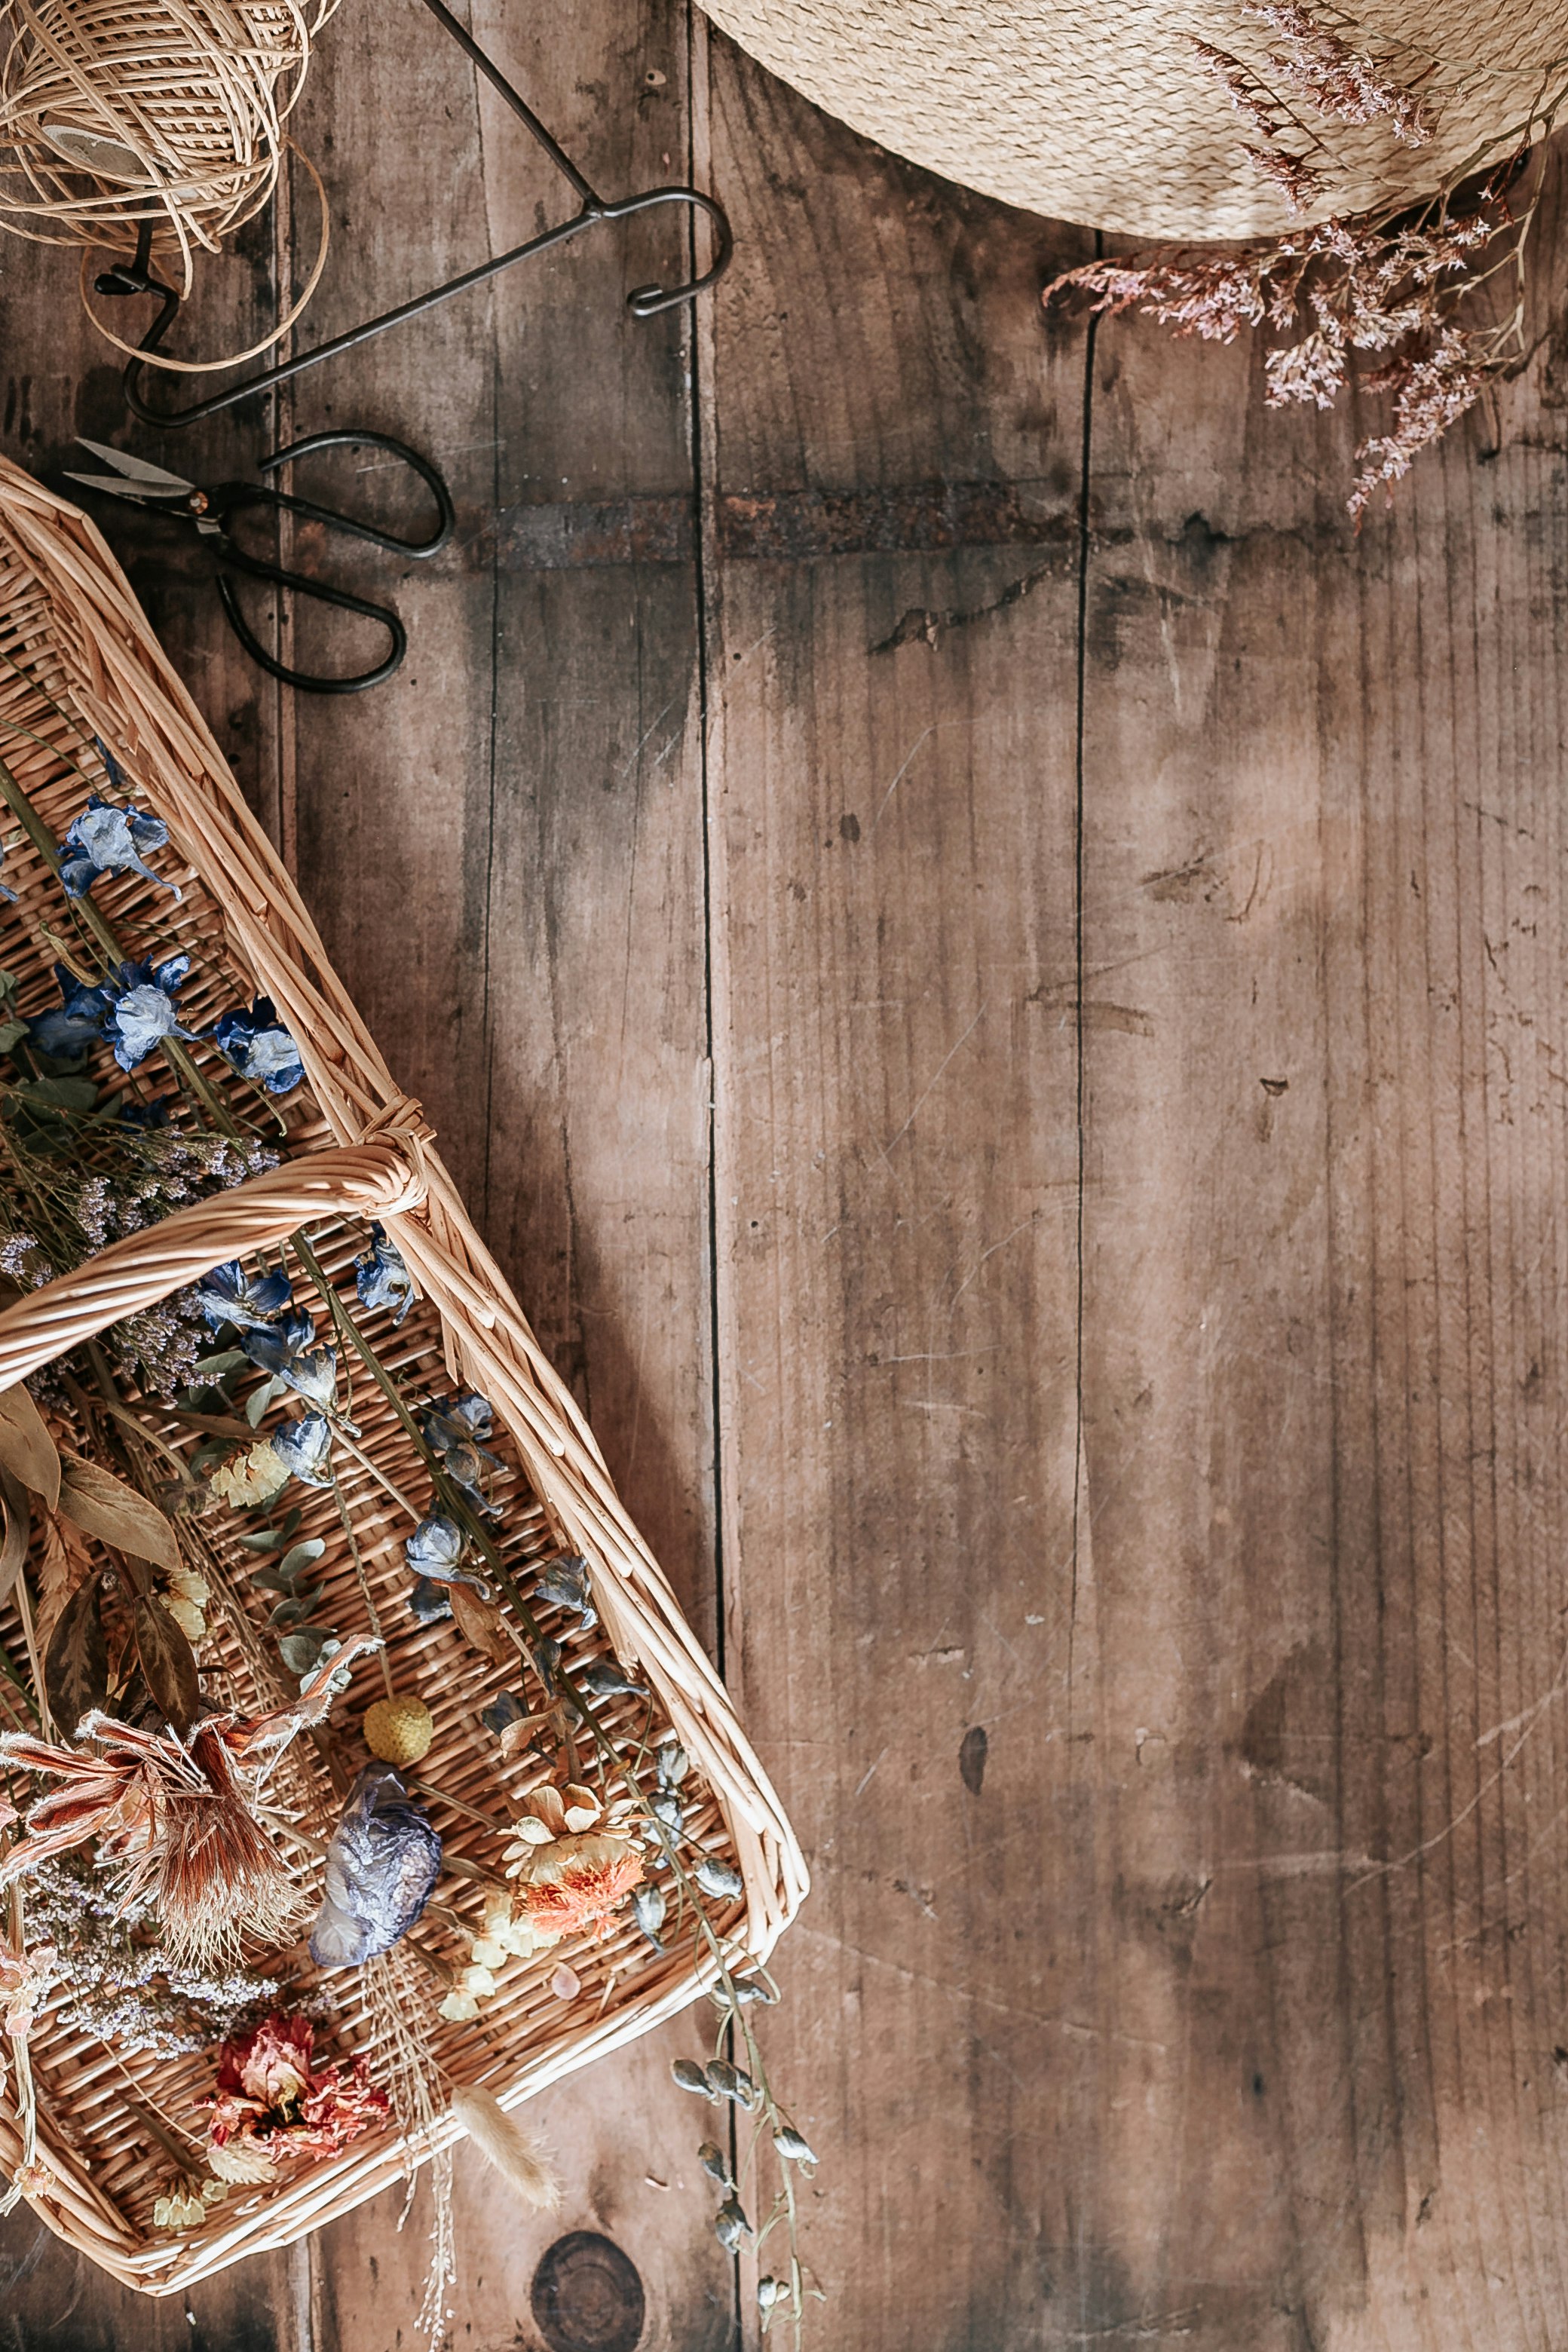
(1105,113)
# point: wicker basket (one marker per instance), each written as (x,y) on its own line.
(77,662)
(1105,114)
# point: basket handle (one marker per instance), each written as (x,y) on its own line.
(362,1180)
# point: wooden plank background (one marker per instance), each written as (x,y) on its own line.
(994,975)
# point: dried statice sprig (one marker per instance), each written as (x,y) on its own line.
(117,1981)
(1314,63)
(1342,288)
(1430,389)
(1299,182)
(1259,106)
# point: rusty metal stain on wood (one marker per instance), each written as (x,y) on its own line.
(784,526)
(906,518)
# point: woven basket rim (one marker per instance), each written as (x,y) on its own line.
(127,692)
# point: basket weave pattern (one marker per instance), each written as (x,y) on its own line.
(76,661)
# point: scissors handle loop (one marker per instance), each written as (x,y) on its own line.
(235,560)
(346,437)
(236,495)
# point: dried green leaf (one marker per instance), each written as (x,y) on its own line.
(300,1652)
(168,1662)
(257,1404)
(10,1033)
(76,1664)
(27,1449)
(303,1556)
(296,1609)
(105,1507)
(59,1094)
(265,1539)
(18,1528)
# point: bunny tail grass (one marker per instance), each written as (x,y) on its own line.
(514,2152)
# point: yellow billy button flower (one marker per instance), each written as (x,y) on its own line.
(399,1730)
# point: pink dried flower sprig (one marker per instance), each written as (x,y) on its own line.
(1316,64)
(1341,288)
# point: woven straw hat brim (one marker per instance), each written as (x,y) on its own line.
(1104,114)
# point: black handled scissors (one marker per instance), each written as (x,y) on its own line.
(211,510)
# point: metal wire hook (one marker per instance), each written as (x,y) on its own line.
(645,303)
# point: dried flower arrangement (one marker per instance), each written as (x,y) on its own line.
(216,1518)
(1397,284)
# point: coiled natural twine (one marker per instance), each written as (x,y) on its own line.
(114,112)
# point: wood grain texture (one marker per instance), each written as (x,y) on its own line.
(504,849)
(1213,1996)
(1116,916)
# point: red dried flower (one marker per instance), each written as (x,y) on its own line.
(271,2107)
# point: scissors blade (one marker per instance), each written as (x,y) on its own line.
(139,494)
(135,469)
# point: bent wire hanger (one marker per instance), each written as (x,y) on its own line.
(134,276)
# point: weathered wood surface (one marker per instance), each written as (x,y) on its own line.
(1096,1368)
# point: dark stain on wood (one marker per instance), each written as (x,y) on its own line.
(972,1754)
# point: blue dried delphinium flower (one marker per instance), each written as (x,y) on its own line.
(250,1302)
(257,1044)
(65,1033)
(429,1602)
(565,1584)
(108,840)
(143,1013)
(450,1431)
(381,1277)
(282,1350)
(305,1449)
(435,1549)
(9,896)
(382,1867)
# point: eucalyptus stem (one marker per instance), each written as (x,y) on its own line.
(370,1608)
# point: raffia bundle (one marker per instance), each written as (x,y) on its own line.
(1109,114)
(170,112)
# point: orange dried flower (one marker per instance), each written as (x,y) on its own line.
(576,1884)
